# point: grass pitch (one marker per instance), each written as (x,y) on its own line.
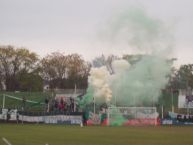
(75,135)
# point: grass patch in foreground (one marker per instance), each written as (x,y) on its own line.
(75,135)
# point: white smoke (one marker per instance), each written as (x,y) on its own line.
(119,66)
(98,80)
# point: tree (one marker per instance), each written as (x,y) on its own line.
(13,61)
(54,68)
(184,76)
(78,70)
(30,81)
(1,79)
(64,71)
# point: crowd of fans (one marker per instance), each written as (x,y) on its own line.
(61,105)
(185,118)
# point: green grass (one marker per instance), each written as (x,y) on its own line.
(75,135)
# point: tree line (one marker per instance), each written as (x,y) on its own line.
(23,70)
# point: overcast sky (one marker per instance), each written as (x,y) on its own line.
(71,26)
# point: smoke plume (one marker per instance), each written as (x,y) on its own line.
(139,84)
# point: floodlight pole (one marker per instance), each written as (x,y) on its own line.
(94,106)
(162,111)
(172,100)
(153,101)
(75,88)
(155,117)
(3,101)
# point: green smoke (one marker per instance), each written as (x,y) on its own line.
(135,28)
(141,83)
(116,117)
(87,99)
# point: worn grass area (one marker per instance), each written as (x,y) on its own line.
(75,135)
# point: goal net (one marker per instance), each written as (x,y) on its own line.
(132,116)
(13,102)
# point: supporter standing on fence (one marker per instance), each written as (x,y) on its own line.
(46,105)
(8,115)
(61,106)
(23,103)
(71,104)
(55,105)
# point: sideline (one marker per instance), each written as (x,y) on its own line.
(6,141)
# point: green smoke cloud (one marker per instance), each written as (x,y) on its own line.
(141,83)
(135,28)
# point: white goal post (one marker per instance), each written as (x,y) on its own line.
(132,116)
(17,98)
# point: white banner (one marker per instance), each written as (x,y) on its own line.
(185,101)
(52,119)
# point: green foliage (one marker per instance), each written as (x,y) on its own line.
(15,61)
(64,71)
(21,70)
(182,78)
(30,82)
